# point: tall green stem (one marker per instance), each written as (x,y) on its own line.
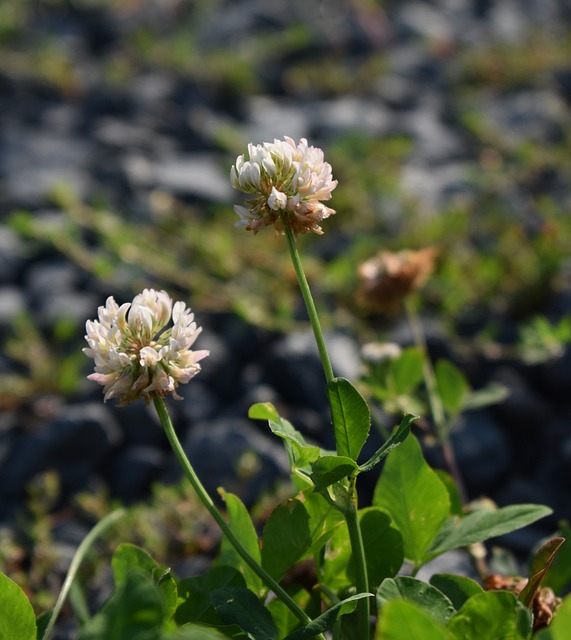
(362,580)
(309,304)
(434,400)
(351,516)
(207,501)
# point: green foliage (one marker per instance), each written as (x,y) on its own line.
(243,528)
(326,620)
(491,614)
(483,524)
(427,597)
(541,340)
(457,588)
(541,562)
(402,620)
(351,417)
(17,619)
(383,546)
(415,498)
(135,610)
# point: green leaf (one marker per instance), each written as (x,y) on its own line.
(484,524)
(326,620)
(300,453)
(286,538)
(561,623)
(541,562)
(194,631)
(383,546)
(194,594)
(397,437)
(452,386)
(415,498)
(407,370)
(492,614)
(457,588)
(241,607)
(427,597)
(402,620)
(134,611)
(324,519)
(128,558)
(492,393)
(284,619)
(351,417)
(17,619)
(327,470)
(243,528)
(559,574)
(456,506)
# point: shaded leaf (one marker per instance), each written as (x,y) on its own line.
(326,620)
(241,607)
(542,560)
(492,393)
(383,546)
(351,417)
(397,437)
(286,538)
(327,470)
(129,557)
(452,386)
(407,370)
(415,498)
(134,611)
(194,594)
(243,528)
(457,588)
(194,631)
(425,596)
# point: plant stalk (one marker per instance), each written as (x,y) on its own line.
(309,304)
(78,558)
(362,579)
(434,400)
(207,501)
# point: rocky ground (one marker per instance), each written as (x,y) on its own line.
(126,135)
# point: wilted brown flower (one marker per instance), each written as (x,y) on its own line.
(389,277)
(544,602)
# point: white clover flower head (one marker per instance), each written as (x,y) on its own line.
(136,355)
(285,182)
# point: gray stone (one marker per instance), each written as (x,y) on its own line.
(233,454)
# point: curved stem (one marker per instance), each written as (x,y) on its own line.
(309,304)
(207,501)
(80,554)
